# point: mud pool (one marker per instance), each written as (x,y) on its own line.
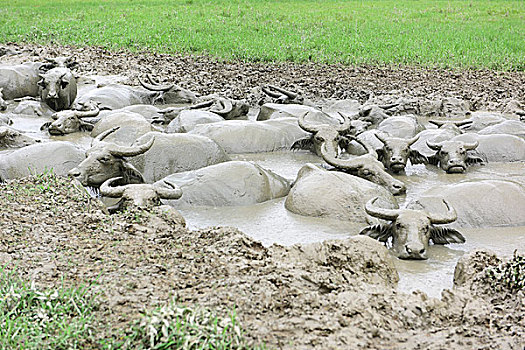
(271,223)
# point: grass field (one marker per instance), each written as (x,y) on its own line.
(476,33)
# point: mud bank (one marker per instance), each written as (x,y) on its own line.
(334,294)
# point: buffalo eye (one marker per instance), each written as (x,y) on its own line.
(398,225)
(366,172)
(104,159)
(42,83)
(64,84)
(388,149)
(319,139)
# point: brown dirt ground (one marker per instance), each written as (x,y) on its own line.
(331,295)
(238,79)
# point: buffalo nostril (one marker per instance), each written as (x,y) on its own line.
(422,251)
(409,251)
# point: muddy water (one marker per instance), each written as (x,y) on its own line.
(271,223)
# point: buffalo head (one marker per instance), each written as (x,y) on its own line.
(58,88)
(139,195)
(395,152)
(105,160)
(453,156)
(321,134)
(11,138)
(365,166)
(69,121)
(169,93)
(411,230)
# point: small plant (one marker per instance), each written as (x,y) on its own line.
(179,327)
(31,318)
(509,275)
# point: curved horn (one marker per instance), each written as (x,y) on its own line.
(388,106)
(330,158)
(381,213)
(437,123)
(345,126)
(227,107)
(114,192)
(270,93)
(92,113)
(380,138)
(200,105)
(123,151)
(447,218)
(103,135)
(169,193)
(304,125)
(471,146)
(461,123)
(413,140)
(434,146)
(155,87)
(290,94)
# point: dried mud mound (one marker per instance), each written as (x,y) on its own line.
(335,294)
(482,89)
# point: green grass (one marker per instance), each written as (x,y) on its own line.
(475,33)
(176,326)
(31,318)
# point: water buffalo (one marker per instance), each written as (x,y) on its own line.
(232,183)
(454,156)
(69,121)
(58,156)
(113,96)
(411,229)
(3,104)
(105,160)
(321,134)
(138,195)
(20,80)
(497,147)
(247,136)
(509,127)
(365,166)
(58,88)
(317,192)
(31,107)
(169,93)
(396,151)
(187,120)
(405,126)
(11,138)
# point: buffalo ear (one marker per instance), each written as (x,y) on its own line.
(379,232)
(445,235)
(305,143)
(417,158)
(474,158)
(434,160)
(86,127)
(45,126)
(132,175)
(380,154)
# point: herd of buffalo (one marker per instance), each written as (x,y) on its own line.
(180,153)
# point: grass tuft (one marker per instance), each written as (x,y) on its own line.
(179,327)
(32,318)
